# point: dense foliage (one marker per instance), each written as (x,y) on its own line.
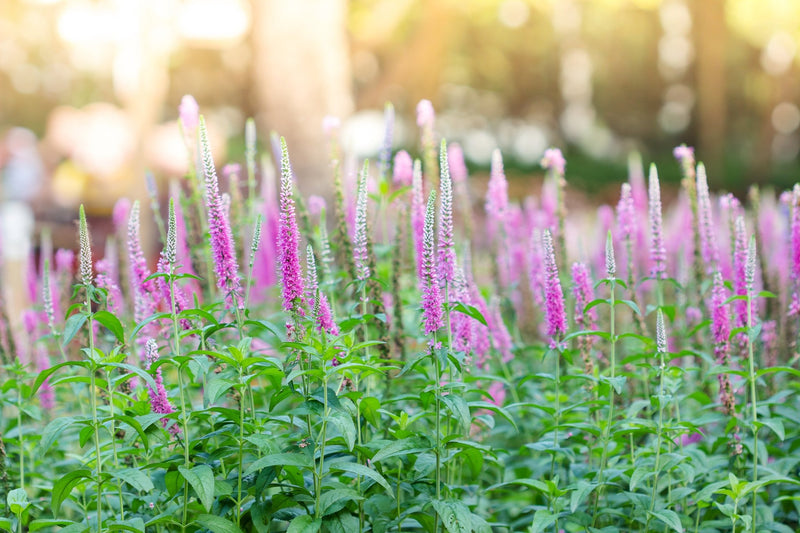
(425,367)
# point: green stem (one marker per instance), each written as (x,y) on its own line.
(242,392)
(184,421)
(753,400)
(609,420)
(95,424)
(114,440)
(21,439)
(660,438)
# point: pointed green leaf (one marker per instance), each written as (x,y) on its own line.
(201,478)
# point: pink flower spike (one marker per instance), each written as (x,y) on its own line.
(658,254)
(431,297)
(554,160)
(289,240)
(188,112)
(425,114)
(360,254)
(418,216)
(707,236)
(497,193)
(455,160)
(447,254)
(554,297)
(403,170)
(220,236)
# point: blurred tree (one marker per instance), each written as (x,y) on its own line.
(302,73)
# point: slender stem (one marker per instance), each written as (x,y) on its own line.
(114,440)
(93,399)
(242,392)
(660,438)
(609,420)
(21,439)
(321,440)
(753,399)
(437,435)
(185,422)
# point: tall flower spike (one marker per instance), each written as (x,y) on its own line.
(418,215)
(750,265)
(554,297)
(611,262)
(403,170)
(360,246)
(289,239)
(171,249)
(661,333)
(386,151)
(226,267)
(85,248)
(795,233)
(318,301)
(455,160)
(447,254)
(431,297)
(497,193)
(708,239)
(47,296)
(739,271)
(658,254)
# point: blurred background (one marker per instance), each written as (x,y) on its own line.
(89,89)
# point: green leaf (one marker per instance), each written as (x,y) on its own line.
(470,311)
(201,478)
(71,328)
(584,489)
(459,409)
(670,518)
(281,459)
(405,446)
(18,501)
(330,500)
(53,430)
(64,486)
(345,425)
(455,516)
(135,478)
(218,387)
(304,524)
(134,525)
(217,524)
(640,474)
(138,371)
(42,523)
(112,324)
(542,519)
(776,425)
(365,471)
(632,305)
(44,374)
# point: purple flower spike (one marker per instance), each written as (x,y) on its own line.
(447,254)
(119,215)
(583,292)
(455,160)
(431,296)
(403,171)
(188,113)
(360,245)
(425,114)
(219,230)
(720,316)
(497,193)
(707,236)
(554,297)
(386,151)
(684,154)
(159,402)
(658,254)
(324,317)
(289,240)
(795,235)
(739,274)
(418,216)
(554,160)
(626,214)
(142,288)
